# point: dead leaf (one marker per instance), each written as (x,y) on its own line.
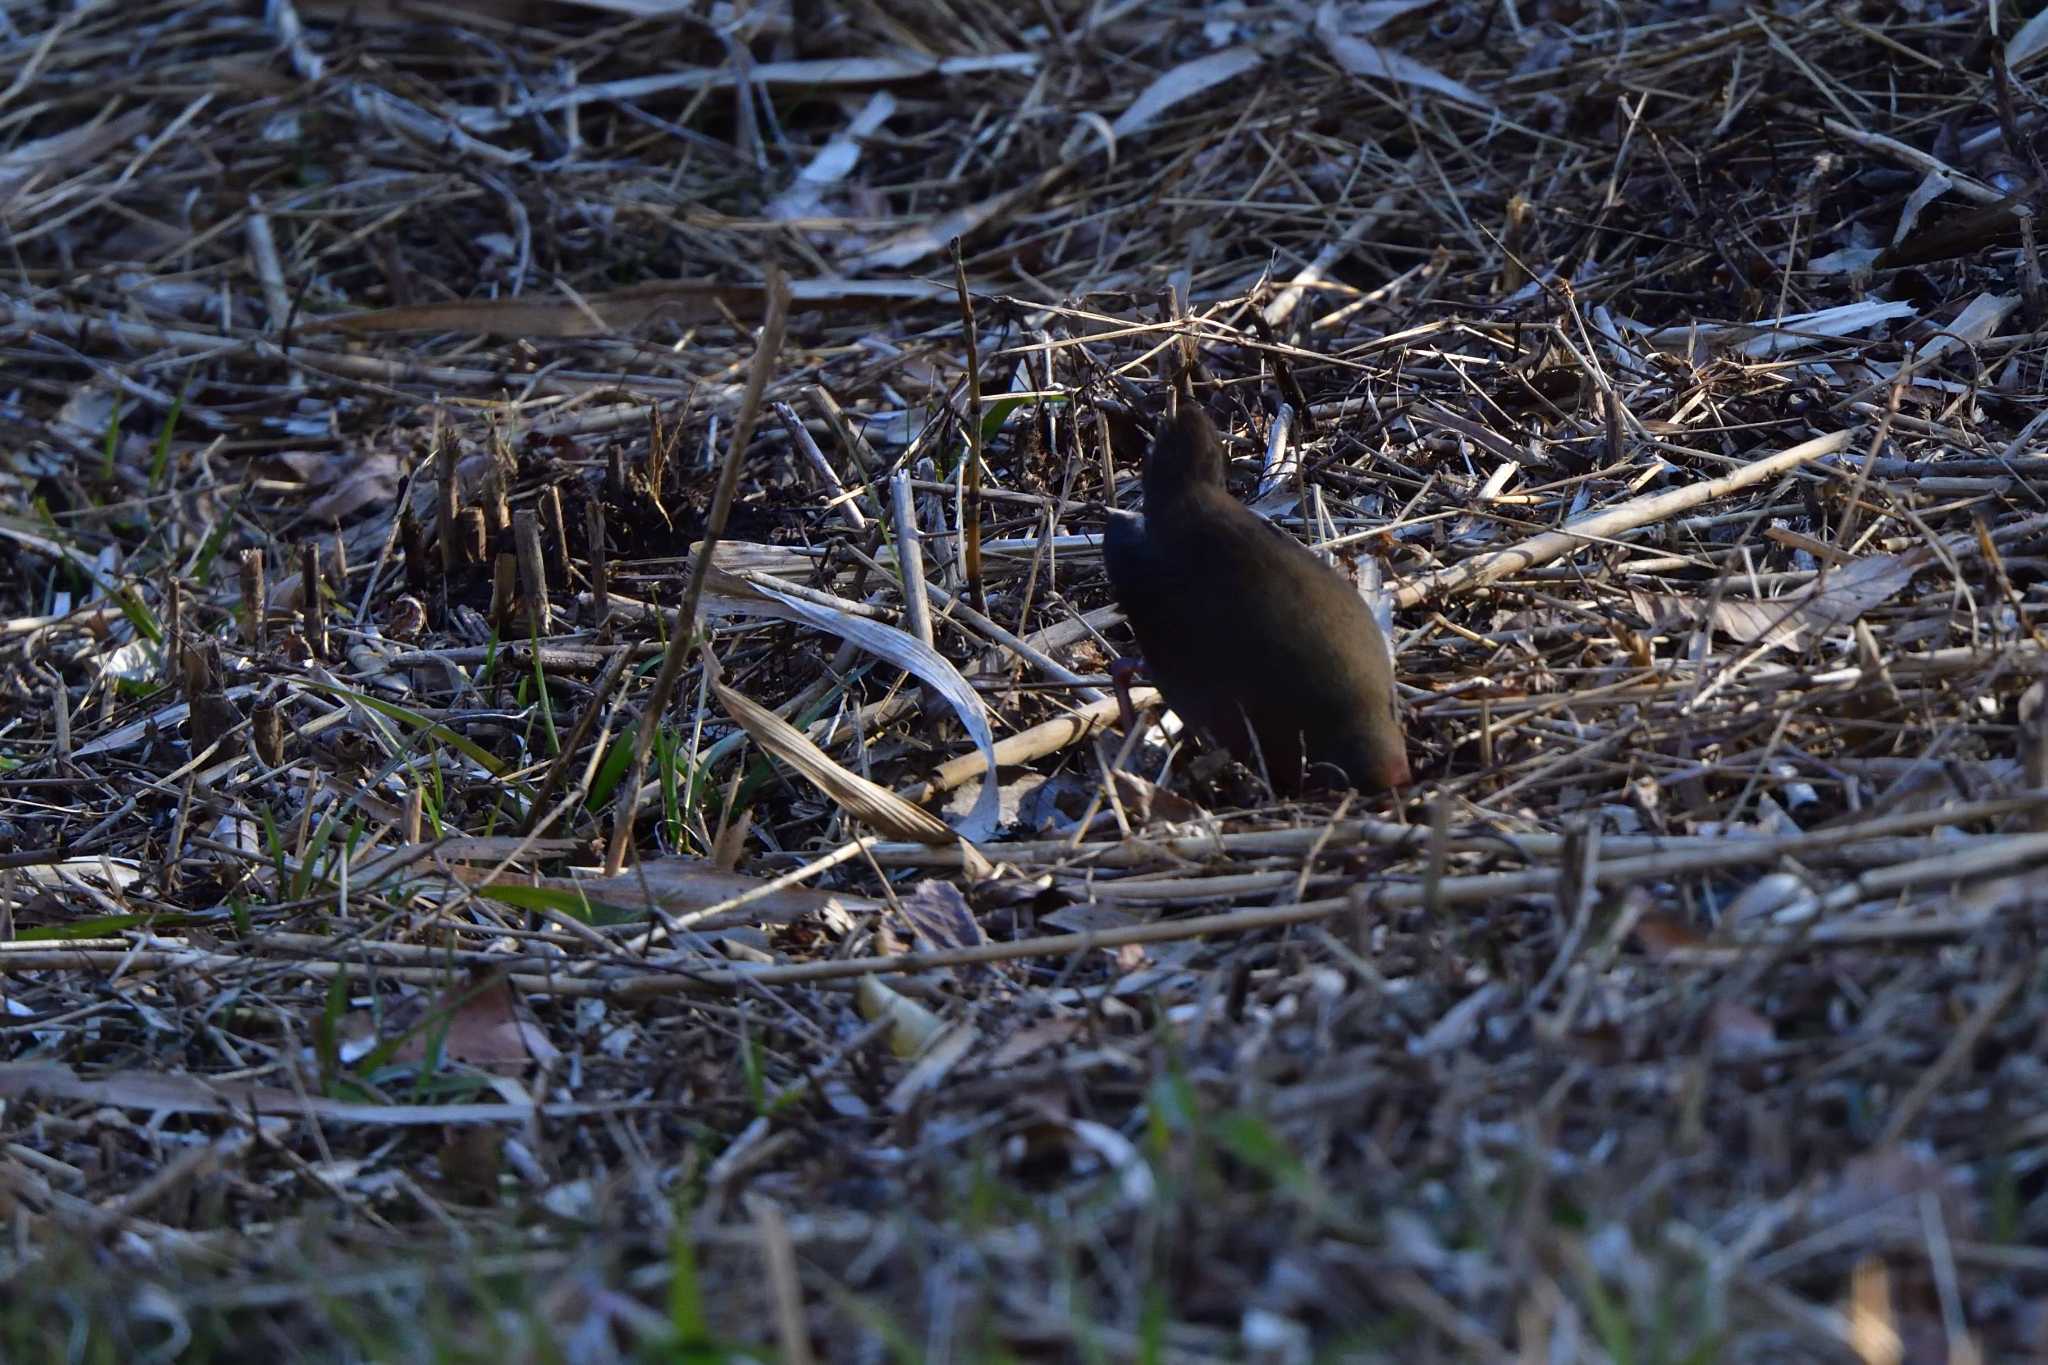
(477,1022)
(1660,934)
(1890,1181)
(471,1160)
(1734,1030)
(729,845)
(1979,321)
(932,236)
(1034,1038)
(684,886)
(56,155)
(1370,60)
(1088,918)
(1147,801)
(2028,41)
(940,917)
(183,1094)
(1183,83)
(871,804)
(365,481)
(732,594)
(1837,598)
(833,162)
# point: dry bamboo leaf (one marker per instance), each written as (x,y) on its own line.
(166,719)
(833,162)
(1370,60)
(1034,1038)
(728,594)
(1146,801)
(1802,331)
(1980,319)
(944,1053)
(729,845)
(624,310)
(1183,83)
(1089,917)
(2028,42)
(374,12)
(642,9)
(358,481)
(60,152)
(1135,1183)
(872,805)
(1931,187)
(753,557)
(811,75)
(682,886)
(930,238)
(1796,331)
(1846,260)
(1837,598)
(1960,234)
(182,1094)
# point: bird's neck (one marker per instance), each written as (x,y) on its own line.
(1164,493)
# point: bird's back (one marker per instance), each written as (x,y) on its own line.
(1241,623)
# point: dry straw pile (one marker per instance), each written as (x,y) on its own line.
(445,917)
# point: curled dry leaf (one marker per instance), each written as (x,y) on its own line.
(56,155)
(930,237)
(730,595)
(1979,321)
(1792,332)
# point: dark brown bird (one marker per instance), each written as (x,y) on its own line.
(1249,634)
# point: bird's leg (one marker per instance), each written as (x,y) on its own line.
(1122,672)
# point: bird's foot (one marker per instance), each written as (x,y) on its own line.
(1122,673)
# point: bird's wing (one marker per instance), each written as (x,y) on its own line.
(1133,567)
(1277,580)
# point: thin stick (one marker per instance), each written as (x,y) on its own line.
(532,567)
(917,616)
(1481,570)
(767,347)
(970,514)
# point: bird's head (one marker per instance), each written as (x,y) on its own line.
(1186,455)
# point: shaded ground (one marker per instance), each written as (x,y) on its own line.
(1689,1007)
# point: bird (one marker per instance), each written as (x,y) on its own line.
(1249,635)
